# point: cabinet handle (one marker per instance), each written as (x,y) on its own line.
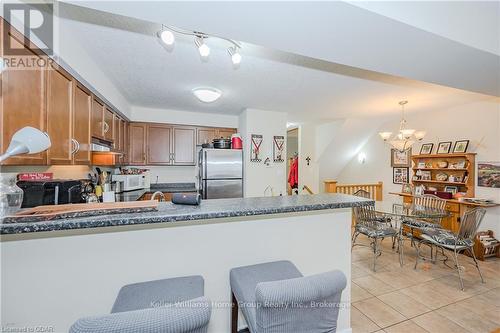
(75,146)
(106,127)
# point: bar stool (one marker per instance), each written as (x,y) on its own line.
(175,305)
(274,297)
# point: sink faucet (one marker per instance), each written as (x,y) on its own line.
(269,187)
(162,196)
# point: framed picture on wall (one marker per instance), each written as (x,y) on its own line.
(426,149)
(400,175)
(401,159)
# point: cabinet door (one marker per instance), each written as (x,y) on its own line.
(81,125)
(205,135)
(159,145)
(108,124)
(23,104)
(184,145)
(59,116)
(97,119)
(225,133)
(137,143)
(126,146)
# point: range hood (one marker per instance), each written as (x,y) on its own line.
(102,146)
(103,153)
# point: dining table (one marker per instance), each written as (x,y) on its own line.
(396,213)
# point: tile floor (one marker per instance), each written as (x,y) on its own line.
(398,299)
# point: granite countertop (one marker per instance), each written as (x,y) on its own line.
(162,187)
(208,209)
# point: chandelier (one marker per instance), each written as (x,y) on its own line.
(405,138)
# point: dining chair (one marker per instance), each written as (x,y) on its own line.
(373,226)
(459,242)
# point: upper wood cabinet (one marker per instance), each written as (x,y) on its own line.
(137,144)
(159,144)
(97,119)
(60,116)
(225,132)
(81,125)
(108,125)
(184,146)
(23,103)
(205,135)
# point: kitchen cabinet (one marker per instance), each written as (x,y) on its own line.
(60,116)
(108,124)
(126,145)
(225,132)
(23,101)
(184,146)
(159,149)
(137,144)
(205,135)
(81,125)
(97,118)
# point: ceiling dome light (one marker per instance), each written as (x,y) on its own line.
(235,55)
(167,37)
(202,47)
(207,95)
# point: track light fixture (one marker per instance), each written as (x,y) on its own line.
(167,36)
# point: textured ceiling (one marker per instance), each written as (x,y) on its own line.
(148,75)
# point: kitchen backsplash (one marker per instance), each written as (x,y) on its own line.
(173,174)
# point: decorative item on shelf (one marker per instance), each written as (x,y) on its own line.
(442,164)
(455,179)
(425,175)
(256,143)
(426,149)
(488,174)
(460,146)
(405,137)
(415,177)
(451,189)
(400,159)
(419,190)
(278,148)
(400,175)
(444,147)
(428,165)
(407,188)
(458,165)
(441,177)
(421,165)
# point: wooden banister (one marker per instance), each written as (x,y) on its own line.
(375,190)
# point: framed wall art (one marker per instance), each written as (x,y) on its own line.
(400,159)
(461,146)
(256,143)
(426,149)
(488,174)
(400,175)
(444,147)
(278,148)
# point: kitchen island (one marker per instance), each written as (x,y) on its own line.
(54,272)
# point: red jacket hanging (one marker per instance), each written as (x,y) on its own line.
(293,176)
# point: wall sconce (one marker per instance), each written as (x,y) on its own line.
(361,158)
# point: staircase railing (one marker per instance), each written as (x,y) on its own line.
(375,190)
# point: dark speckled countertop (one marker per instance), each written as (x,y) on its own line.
(208,209)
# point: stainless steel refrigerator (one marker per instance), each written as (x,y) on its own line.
(220,173)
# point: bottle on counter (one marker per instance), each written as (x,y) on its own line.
(11,195)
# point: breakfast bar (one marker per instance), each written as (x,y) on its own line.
(60,270)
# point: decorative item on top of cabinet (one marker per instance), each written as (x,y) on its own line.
(23,99)
(60,116)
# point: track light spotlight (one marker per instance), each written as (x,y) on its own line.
(202,47)
(235,55)
(167,37)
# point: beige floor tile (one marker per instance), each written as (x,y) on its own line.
(373,285)
(428,296)
(482,306)
(450,286)
(404,304)
(358,293)
(358,270)
(493,296)
(405,327)
(396,279)
(435,323)
(379,312)
(361,323)
(473,322)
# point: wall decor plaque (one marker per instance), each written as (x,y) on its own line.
(278,148)
(256,143)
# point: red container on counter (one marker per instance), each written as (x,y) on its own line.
(236,142)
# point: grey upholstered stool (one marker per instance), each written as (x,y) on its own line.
(275,298)
(168,306)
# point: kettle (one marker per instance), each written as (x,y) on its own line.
(236,142)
